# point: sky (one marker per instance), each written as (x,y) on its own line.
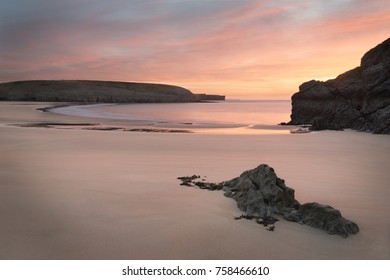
(248,49)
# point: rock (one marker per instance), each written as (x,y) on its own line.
(194,181)
(260,192)
(323,217)
(262,195)
(209,97)
(358,99)
(93,91)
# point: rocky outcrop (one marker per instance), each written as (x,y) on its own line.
(261,194)
(358,99)
(323,217)
(206,97)
(93,91)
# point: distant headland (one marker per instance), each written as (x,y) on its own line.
(358,99)
(89,91)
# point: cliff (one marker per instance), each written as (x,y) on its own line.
(204,96)
(358,99)
(93,91)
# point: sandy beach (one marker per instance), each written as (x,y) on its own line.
(83,194)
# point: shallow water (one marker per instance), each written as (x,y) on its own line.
(242,113)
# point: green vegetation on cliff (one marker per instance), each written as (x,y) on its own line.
(93,91)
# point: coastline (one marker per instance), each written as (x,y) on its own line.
(82,194)
(108,112)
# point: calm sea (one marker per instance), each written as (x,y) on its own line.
(242,112)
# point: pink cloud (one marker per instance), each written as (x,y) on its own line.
(256,49)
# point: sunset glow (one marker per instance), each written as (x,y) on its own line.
(251,49)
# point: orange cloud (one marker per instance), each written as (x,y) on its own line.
(244,49)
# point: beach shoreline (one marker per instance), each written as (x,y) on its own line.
(64,115)
(85,194)
(156,123)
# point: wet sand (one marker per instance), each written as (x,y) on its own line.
(85,194)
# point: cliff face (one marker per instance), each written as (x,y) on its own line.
(93,91)
(358,99)
(206,97)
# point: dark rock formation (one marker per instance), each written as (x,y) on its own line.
(98,126)
(195,181)
(358,99)
(203,96)
(262,195)
(93,91)
(267,221)
(323,217)
(260,192)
